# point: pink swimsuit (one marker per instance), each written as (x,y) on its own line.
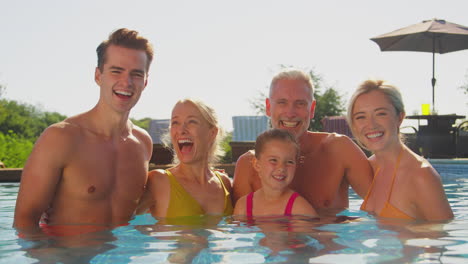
(287,210)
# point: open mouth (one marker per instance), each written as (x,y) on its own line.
(185,145)
(123,94)
(289,124)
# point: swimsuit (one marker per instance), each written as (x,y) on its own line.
(388,209)
(181,203)
(287,210)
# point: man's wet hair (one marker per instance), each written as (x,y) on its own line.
(128,39)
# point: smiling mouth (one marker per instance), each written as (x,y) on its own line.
(289,124)
(123,94)
(374,135)
(279,177)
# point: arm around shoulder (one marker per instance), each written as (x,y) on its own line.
(158,193)
(358,170)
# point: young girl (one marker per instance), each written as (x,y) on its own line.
(276,152)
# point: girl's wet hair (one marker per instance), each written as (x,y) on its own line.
(274,134)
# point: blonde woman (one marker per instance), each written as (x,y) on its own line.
(405,185)
(191,187)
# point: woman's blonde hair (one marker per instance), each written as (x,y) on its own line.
(391,92)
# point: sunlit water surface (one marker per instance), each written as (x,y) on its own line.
(356,238)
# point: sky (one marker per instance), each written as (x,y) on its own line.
(223,52)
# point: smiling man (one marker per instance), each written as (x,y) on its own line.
(329,163)
(91,169)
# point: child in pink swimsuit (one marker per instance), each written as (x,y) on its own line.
(276,153)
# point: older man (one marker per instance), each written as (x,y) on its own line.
(328,163)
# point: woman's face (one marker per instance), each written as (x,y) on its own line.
(375,122)
(276,164)
(191,135)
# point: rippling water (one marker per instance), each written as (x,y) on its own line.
(353,237)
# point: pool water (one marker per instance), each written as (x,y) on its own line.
(352,237)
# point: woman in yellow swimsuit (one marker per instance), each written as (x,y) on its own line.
(191,187)
(405,185)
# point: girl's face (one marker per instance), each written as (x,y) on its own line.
(191,135)
(375,121)
(276,164)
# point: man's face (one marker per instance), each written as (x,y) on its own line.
(290,106)
(123,77)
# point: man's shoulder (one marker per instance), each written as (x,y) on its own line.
(141,134)
(250,154)
(327,139)
(64,129)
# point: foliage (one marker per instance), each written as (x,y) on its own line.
(25,120)
(14,150)
(143,123)
(20,126)
(2,89)
(227,158)
(329,102)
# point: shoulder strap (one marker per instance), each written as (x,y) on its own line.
(394,175)
(249,208)
(288,209)
(289,206)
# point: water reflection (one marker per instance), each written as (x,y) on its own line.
(353,238)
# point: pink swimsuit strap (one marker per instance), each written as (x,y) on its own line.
(287,210)
(250,204)
(289,206)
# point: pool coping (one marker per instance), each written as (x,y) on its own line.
(14,174)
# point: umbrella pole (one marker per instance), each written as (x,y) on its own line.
(433,81)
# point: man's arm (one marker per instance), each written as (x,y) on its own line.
(243,176)
(358,171)
(40,177)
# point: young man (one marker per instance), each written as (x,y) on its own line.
(328,163)
(91,169)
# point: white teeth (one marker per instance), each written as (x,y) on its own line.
(375,135)
(279,177)
(289,124)
(123,93)
(184,141)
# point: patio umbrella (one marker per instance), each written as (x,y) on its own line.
(436,36)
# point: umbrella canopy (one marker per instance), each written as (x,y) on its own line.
(436,36)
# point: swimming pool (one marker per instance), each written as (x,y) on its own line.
(296,240)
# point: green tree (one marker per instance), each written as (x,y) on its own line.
(143,123)
(227,158)
(25,120)
(20,126)
(14,150)
(2,90)
(329,101)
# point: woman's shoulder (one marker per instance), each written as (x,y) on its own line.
(227,181)
(420,169)
(157,177)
